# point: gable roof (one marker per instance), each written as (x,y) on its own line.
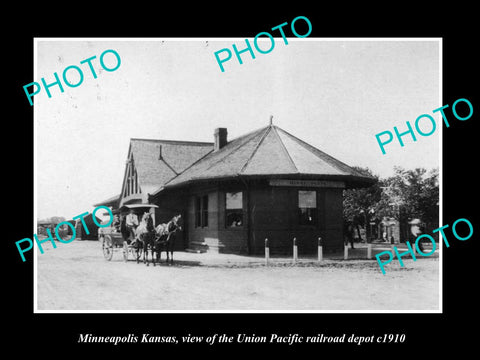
(269,151)
(111,201)
(154,170)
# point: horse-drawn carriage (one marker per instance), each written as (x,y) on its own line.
(143,239)
(112,240)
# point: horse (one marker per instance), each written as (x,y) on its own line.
(144,237)
(165,238)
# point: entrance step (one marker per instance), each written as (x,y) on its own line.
(208,245)
(196,251)
(197,247)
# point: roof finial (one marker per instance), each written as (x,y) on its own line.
(271,120)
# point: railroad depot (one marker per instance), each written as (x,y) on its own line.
(232,194)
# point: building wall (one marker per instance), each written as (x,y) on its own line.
(208,234)
(268,212)
(333,222)
(80,232)
(232,239)
(217,236)
(275,216)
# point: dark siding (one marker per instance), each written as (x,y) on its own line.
(80,232)
(275,216)
(233,240)
(269,212)
(333,210)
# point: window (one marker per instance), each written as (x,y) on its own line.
(131,183)
(198,213)
(307,207)
(201,211)
(135,180)
(233,209)
(205,210)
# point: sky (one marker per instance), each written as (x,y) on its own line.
(335,94)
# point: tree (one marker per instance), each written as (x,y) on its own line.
(359,204)
(410,194)
(406,195)
(414,193)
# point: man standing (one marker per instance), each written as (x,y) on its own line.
(132,223)
(348,233)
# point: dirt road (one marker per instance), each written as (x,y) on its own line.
(75,276)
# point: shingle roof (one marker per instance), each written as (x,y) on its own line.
(154,171)
(111,201)
(269,151)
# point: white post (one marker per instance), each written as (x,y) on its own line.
(369,250)
(295,250)
(345,252)
(393,251)
(320,249)
(267,252)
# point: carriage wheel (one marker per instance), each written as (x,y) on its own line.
(125,251)
(107,247)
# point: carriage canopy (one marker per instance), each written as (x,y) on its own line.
(137,206)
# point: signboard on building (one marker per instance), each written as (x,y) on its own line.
(307,183)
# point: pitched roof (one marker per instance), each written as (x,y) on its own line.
(111,201)
(154,170)
(269,151)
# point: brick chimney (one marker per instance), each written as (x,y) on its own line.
(220,136)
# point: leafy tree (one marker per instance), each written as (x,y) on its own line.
(410,194)
(359,204)
(406,195)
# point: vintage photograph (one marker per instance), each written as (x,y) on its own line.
(259,188)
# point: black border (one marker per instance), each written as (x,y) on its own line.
(426,333)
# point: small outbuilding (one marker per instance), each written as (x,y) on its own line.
(80,233)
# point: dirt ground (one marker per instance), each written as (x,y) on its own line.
(76,276)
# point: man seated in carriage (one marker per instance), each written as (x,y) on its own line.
(131,223)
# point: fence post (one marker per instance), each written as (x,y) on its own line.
(345,252)
(267,251)
(369,251)
(295,250)
(320,249)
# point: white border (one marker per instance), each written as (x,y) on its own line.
(35,128)
(440,310)
(440,176)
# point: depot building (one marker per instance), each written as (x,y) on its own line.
(233,194)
